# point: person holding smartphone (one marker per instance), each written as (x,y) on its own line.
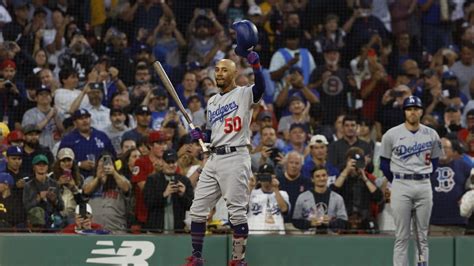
(108,191)
(83,221)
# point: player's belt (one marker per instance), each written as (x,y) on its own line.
(221,150)
(412,176)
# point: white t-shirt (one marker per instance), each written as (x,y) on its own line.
(264,215)
(48,38)
(63,99)
(100,117)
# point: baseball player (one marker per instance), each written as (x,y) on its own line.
(228,167)
(409,154)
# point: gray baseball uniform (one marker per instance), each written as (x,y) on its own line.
(410,154)
(228,116)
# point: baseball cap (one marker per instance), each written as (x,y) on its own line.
(170,156)
(40,158)
(296,69)
(194,65)
(65,153)
(14,151)
(88,209)
(144,48)
(448,75)
(428,73)
(157,136)
(452,108)
(6,178)
(265,114)
(360,160)
(299,125)
(80,113)
(19,3)
(254,10)
(470,113)
(43,88)
(142,110)
(39,10)
(193,97)
(266,169)
(15,136)
(30,128)
(318,139)
(295,98)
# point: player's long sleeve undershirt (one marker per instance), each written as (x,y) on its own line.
(259,88)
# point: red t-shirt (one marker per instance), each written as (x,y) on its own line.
(143,168)
(70,229)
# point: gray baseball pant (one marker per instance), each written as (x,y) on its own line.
(406,196)
(227,176)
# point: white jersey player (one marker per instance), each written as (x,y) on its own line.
(228,167)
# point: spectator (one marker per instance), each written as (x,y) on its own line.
(202,33)
(87,142)
(451,180)
(14,156)
(168,195)
(144,167)
(119,54)
(11,215)
(317,156)
(143,118)
(405,49)
(267,204)
(15,138)
(334,84)
(53,38)
(45,117)
(373,88)
(391,113)
(319,207)
(337,149)
(357,187)
(128,144)
(439,93)
(117,127)
(158,102)
(298,88)
(452,121)
(436,32)
(18,29)
(189,163)
(48,79)
(166,38)
(41,197)
(267,152)
(298,114)
(297,139)
(81,224)
(187,88)
(100,115)
(196,111)
(255,15)
(78,56)
(332,35)
(32,147)
(66,174)
(108,191)
(464,68)
(292,54)
(128,160)
(10,93)
(65,96)
(292,182)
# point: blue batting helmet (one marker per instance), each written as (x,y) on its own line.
(412,101)
(247,36)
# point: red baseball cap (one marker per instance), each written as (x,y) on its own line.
(14,136)
(157,136)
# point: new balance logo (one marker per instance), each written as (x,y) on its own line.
(125,255)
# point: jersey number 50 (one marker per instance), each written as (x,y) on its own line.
(232,124)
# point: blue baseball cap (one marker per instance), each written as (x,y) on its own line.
(6,178)
(449,75)
(14,151)
(43,88)
(80,113)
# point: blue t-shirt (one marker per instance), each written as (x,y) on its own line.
(309,165)
(294,188)
(432,15)
(448,183)
(95,144)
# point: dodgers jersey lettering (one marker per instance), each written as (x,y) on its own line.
(411,152)
(229,116)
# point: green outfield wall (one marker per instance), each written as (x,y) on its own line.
(170,250)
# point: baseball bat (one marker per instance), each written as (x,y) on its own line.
(172,91)
(421,258)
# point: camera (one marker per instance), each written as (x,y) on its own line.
(395,93)
(264,177)
(360,161)
(8,84)
(274,153)
(83,209)
(107,159)
(202,12)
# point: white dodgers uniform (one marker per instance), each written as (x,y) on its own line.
(228,168)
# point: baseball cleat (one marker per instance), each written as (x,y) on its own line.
(194,261)
(237,263)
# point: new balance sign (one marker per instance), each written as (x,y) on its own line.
(129,253)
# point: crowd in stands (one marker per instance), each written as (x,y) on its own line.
(87,127)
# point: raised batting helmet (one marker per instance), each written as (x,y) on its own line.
(412,101)
(247,36)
